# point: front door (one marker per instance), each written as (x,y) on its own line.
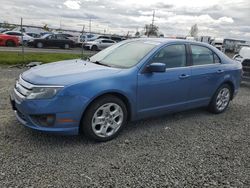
(165,91)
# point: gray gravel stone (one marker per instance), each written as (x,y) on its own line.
(188,149)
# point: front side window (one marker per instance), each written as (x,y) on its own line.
(202,55)
(173,56)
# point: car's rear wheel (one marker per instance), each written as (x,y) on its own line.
(94,48)
(66,46)
(39,45)
(221,99)
(10,43)
(104,118)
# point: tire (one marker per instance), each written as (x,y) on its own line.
(25,43)
(39,45)
(221,99)
(10,43)
(94,48)
(66,46)
(112,114)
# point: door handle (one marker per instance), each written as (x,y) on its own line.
(183,76)
(220,71)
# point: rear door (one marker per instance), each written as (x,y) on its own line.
(102,44)
(206,71)
(61,40)
(50,41)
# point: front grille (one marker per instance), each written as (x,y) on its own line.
(22,88)
(246,69)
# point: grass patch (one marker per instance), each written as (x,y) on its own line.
(12,58)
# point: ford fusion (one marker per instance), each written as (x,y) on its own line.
(130,80)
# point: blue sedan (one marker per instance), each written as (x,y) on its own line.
(130,80)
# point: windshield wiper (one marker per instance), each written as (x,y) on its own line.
(100,63)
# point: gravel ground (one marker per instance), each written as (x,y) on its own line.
(188,149)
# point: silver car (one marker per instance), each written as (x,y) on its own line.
(244,58)
(99,44)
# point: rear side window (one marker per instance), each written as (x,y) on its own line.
(173,56)
(203,56)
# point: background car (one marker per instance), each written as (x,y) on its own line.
(26,38)
(86,37)
(52,40)
(217,43)
(34,35)
(244,58)
(239,46)
(69,36)
(8,40)
(99,44)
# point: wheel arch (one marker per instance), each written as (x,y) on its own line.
(230,83)
(10,40)
(94,46)
(112,93)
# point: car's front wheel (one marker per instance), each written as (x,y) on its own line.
(39,45)
(94,48)
(104,118)
(221,99)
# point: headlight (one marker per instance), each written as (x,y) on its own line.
(43,92)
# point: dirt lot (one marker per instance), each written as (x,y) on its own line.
(188,149)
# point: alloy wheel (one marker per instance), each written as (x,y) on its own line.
(222,99)
(107,120)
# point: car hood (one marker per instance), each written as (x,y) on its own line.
(67,72)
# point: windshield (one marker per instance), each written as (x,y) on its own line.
(124,54)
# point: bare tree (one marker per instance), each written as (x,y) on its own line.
(194,31)
(45,27)
(151,30)
(137,34)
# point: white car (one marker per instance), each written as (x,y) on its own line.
(217,43)
(86,37)
(26,38)
(244,58)
(99,44)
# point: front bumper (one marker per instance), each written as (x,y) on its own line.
(63,107)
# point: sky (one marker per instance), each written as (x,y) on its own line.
(218,18)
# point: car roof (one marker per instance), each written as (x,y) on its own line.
(163,41)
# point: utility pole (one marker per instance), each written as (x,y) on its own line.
(22,39)
(90,25)
(153,20)
(60,25)
(83,26)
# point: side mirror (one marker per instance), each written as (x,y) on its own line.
(157,67)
